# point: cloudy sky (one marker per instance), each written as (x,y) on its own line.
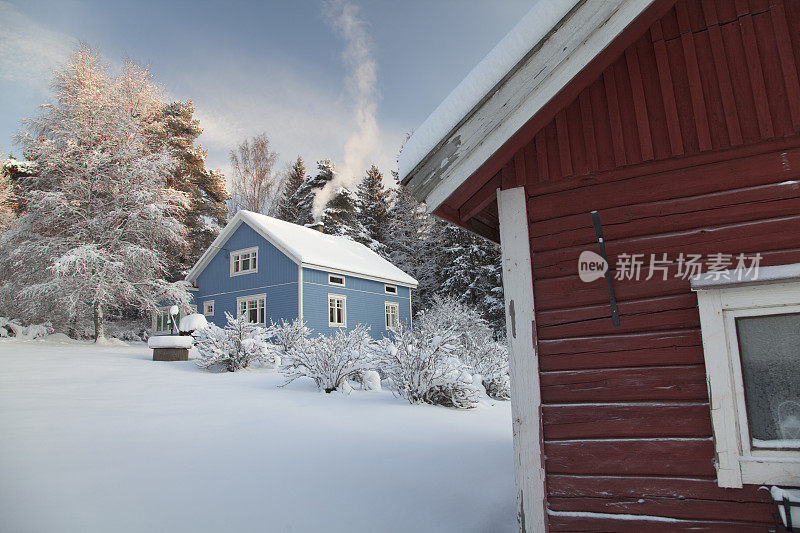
(342,79)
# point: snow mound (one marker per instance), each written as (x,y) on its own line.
(371,380)
(530,30)
(192,322)
(170,341)
(60,338)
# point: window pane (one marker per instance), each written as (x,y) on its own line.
(770,352)
(245,262)
(236,264)
(253,259)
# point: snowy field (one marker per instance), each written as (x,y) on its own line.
(99,439)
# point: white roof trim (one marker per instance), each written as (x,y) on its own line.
(747,276)
(551,64)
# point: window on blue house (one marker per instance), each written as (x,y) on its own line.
(336,280)
(392,315)
(390,289)
(254,308)
(208,308)
(244,261)
(337,310)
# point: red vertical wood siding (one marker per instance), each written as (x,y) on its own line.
(689,141)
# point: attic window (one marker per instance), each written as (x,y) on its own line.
(335,280)
(390,289)
(244,261)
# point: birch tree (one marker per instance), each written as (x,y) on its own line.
(254,184)
(98,217)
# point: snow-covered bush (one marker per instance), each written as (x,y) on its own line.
(14,328)
(237,346)
(474,344)
(329,361)
(422,365)
(287,337)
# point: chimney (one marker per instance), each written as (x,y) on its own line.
(319,226)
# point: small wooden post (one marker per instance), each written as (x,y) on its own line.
(524,363)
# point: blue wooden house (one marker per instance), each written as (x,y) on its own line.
(271,270)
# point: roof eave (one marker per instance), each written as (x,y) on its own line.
(550,66)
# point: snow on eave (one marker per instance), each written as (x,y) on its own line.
(455,146)
(301,244)
(493,70)
(765,274)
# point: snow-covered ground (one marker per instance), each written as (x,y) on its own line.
(104,439)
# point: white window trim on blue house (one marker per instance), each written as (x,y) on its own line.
(390,289)
(342,323)
(208,308)
(333,279)
(391,314)
(237,257)
(260,307)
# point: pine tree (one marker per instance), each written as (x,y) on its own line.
(293,180)
(303,198)
(98,218)
(176,129)
(373,203)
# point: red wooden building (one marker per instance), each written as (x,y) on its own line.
(679,123)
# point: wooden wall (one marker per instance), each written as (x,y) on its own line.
(687,142)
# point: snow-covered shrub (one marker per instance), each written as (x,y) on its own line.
(14,328)
(237,346)
(287,337)
(329,361)
(422,365)
(475,344)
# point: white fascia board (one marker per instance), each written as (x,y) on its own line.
(358,275)
(578,39)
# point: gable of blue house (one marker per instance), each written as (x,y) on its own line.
(287,289)
(275,278)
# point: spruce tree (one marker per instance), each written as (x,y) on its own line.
(294,178)
(304,196)
(373,203)
(341,215)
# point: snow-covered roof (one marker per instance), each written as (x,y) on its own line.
(489,72)
(310,248)
(539,57)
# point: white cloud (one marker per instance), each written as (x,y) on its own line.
(29,51)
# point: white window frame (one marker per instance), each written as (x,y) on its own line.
(386,307)
(206,305)
(343,298)
(390,289)
(250,298)
(165,311)
(235,257)
(330,282)
(737,462)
